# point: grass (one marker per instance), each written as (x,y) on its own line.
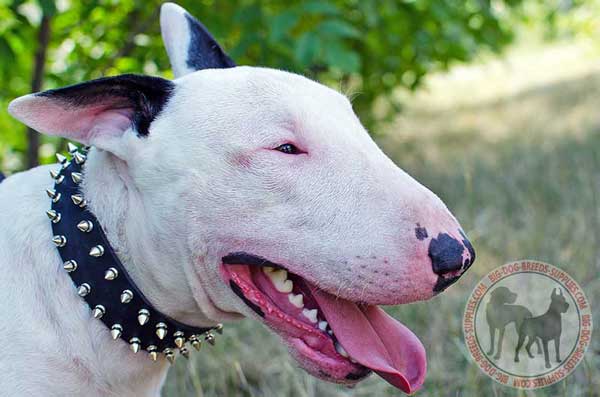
(520,169)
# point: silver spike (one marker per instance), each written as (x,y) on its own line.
(79,158)
(184,352)
(219,329)
(97,251)
(53,195)
(195,342)
(126,296)
(77,199)
(115,331)
(98,311)
(84,289)
(111,273)
(61,159)
(152,352)
(85,226)
(57,176)
(53,215)
(161,330)
(76,177)
(210,338)
(143,316)
(135,344)
(169,355)
(59,240)
(179,339)
(70,266)
(72,148)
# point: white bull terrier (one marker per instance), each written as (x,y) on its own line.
(228,192)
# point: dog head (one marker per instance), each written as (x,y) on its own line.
(264,192)
(558,301)
(502,296)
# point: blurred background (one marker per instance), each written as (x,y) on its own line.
(494,105)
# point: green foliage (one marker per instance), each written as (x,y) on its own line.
(364,47)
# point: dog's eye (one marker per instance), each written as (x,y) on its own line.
(288,148)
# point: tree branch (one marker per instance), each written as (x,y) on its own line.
(36,85)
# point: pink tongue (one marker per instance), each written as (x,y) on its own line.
(376,340)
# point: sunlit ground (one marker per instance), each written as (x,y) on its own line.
(513,147)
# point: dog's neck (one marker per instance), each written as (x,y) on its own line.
(118,206)
(146,250)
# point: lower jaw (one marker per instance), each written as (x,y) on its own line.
(312,348)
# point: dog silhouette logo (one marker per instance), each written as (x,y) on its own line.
(544,328)
(522,304)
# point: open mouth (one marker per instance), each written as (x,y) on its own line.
(332,338)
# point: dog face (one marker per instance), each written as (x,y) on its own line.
(502,296)
(272,199)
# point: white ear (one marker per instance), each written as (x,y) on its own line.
(189,44)
(96,112)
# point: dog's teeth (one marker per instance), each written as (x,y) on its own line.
(323,325)
(310,314)
(296,300)
(330,332)
(268,269)
(353,361)
(280,281)
(284,286)
(278,274)
(340,350)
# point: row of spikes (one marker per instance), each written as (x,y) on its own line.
(86,226)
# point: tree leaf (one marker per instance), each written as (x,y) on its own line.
(338,28)
(307,48)
(337,55)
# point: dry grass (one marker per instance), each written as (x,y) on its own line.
(520,167)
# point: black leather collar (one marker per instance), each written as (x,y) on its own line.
(100,277)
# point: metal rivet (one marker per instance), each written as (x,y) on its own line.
(72,148)
(98,311)
(126,296)
(84,289)
(195,342)
(97,251)
(179,339)
(85,226)
(135,344)
(210,338)
(111,273)
(77,199)
(70,266)
(61,159)
(57,176)
(169,355)
(76,177)
(115,331)
(53,195)
(59,240)
(53,215)
(152,352)
(161,330)
(184,352)
(143,316)
(79,158)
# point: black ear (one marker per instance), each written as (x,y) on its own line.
(189,44)
(96,111)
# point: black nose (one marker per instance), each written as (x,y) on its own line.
(446,253)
